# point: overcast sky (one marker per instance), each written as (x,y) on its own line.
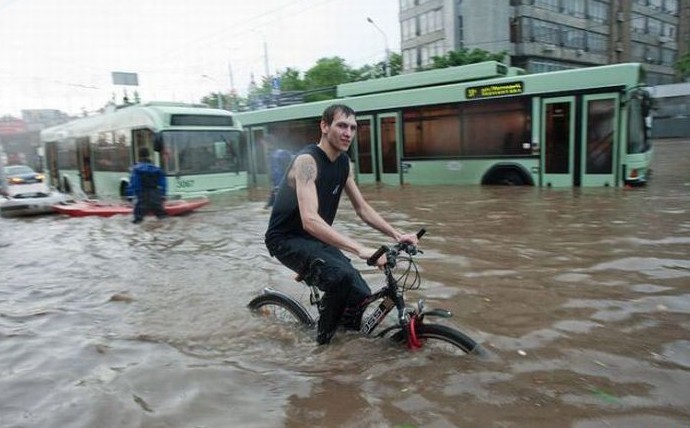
(60,54)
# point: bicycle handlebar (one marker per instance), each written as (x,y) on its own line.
(402,246)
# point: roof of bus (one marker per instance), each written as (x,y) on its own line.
(626,75)
(152,115)
(478,71)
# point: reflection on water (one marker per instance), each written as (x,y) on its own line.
(581,296)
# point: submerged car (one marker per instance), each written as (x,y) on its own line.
(22,174)
(26,193)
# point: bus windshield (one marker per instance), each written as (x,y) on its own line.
(199,152)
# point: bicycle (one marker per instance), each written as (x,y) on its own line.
(410,328)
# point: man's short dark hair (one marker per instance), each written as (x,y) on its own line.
(330,112)
(144,152)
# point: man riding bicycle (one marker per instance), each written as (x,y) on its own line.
(300,228)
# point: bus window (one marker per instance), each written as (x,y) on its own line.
(199,152)
(496,128)
(600,131)
(432,131)
(637,136)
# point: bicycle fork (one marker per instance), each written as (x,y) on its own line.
(411,318)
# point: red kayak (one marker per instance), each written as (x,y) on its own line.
(103,209)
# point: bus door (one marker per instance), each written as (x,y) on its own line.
(558,140)
(257,152)
(598,155)
(388,148)
(84,165)
(363,154)
(52,164)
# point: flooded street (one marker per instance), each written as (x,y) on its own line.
(581,296)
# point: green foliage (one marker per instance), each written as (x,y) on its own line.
(328,72)
(683,66)
(465,56)
(396,64)
(290,80)
(231,101)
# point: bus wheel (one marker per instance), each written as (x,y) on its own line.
(123,190)
(511,178)
(506,176)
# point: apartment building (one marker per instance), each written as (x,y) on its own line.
(547,35)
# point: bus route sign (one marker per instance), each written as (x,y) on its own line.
(497,90)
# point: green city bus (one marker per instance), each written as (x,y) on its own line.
(201,150)
(483,123)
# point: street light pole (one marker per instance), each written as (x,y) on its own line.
(385,41)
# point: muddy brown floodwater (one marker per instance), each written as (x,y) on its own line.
(581,296)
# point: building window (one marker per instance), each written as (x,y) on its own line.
(548,5)
(668,57)
(638,23)
(655,4)
(654,26)
(575,8)
(669,30)
(406,4)
(461,34)
(423,24)
(409,59)
(574,38)
(637,52)
(653,55)
(597,43)
(409,29)
(671,6)
(545,66)
(545,32)
(430,21)
(598,11)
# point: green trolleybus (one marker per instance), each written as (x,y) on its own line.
(483,123)
(200,149)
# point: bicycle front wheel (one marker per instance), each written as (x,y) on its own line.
(281,307)
(440,338)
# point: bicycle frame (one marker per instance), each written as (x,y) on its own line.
(391,296)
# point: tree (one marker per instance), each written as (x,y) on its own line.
(230,101)
(326,74)
(683,66)
(465,56)
(396,64)
(290,80)
(378,70)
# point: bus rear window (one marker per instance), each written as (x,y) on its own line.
(200,120)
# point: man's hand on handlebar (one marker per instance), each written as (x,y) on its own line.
(409,238)
(366,253)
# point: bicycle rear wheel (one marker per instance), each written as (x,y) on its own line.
(281,307)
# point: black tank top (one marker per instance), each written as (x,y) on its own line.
(330,181)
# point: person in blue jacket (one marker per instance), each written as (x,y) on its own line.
(279,161)
(148,185)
